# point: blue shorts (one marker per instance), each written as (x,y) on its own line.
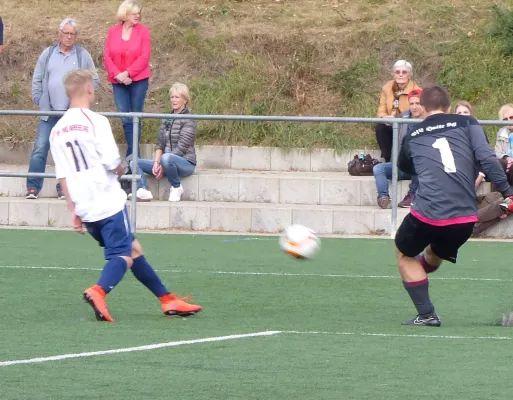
(113,234)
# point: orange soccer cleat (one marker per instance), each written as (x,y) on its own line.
(172,305)
(95,296)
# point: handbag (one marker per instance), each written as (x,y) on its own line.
(361,166)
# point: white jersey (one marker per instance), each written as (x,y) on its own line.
(85,153)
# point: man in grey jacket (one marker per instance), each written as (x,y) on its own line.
(48,94)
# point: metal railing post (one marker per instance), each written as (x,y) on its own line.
(135,164)
(395,170)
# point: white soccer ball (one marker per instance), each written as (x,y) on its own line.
(300,242)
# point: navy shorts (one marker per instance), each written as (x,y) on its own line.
(113,234)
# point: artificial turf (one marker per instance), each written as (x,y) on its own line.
(344,307)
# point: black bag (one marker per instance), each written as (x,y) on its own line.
(361,167)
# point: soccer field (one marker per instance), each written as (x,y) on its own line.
(272,327)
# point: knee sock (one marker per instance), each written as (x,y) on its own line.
(112,273)
(145,274)
(427,267)
(419,294)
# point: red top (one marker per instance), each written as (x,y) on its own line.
(132,55)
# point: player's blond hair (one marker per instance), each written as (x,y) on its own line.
(126,8)
(76,81)
(181,90)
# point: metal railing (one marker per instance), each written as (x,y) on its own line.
(137,117)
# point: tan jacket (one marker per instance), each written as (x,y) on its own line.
(502,143)
(386,99)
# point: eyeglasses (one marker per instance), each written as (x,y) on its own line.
(403,72)
(508,118)
(69,34)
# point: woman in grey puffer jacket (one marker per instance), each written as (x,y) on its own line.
(175,156)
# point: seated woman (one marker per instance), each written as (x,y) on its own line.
(463,107)
(393,101)
(492,207)
(383,171)
(175,155)
(504,143)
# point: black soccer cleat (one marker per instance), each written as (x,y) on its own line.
(431,320)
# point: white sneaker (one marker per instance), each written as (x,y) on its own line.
(175,194)
(144,195)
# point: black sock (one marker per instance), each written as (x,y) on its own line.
(419,294)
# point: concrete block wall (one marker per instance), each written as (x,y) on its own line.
(229,157)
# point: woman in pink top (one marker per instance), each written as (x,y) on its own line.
(127,58)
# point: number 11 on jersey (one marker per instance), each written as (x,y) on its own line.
(442,144)
(75,158)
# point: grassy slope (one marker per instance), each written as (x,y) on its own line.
(305,57)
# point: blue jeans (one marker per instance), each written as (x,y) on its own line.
(130,98)
(383,173)
(175,167)
(39,154)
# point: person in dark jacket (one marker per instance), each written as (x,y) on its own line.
(175,155)
(446,151)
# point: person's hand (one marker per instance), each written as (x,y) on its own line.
(127,81)
(122,76)
(1,48)
(158,171)
(389,116)
(77,223)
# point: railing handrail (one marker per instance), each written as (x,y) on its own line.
(137,116)
(261,118)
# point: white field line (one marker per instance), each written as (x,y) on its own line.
(281,274)
(138,348)
(398,335)
(155,346)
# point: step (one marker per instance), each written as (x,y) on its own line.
(228,217)
(231,157)
(218,185)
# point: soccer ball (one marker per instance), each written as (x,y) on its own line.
(300,242)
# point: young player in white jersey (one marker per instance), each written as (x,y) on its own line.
(87,165)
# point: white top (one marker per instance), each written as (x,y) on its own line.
(85,153)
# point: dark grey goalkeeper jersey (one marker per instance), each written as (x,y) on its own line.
(446,151)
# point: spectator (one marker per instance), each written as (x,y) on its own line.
(393,101)
(1,35)
(463,107)
(492,208)
(175,156)
(504,143)
(48,94)
(383,171)
(127,58)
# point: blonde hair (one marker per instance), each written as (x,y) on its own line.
(126,8)
(76,81)
(464,103)
(503,109)
(181,90)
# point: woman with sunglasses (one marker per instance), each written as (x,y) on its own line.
(392,102)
